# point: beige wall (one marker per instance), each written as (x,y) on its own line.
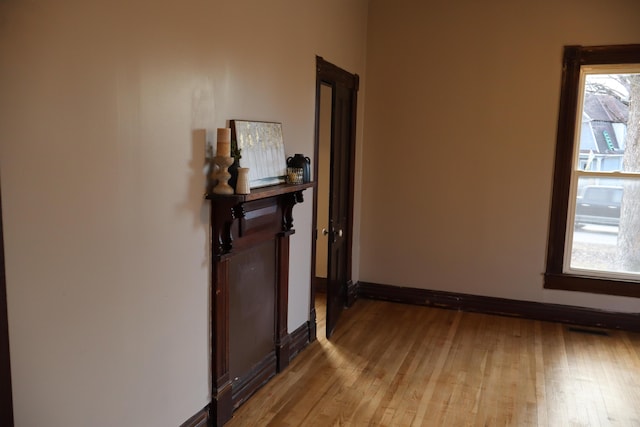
(106,231)
(460,121)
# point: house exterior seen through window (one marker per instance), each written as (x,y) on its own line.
(594,240)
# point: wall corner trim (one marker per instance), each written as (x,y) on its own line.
(200,419)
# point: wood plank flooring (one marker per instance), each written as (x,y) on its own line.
(391,364)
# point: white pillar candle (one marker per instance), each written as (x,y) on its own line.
(223,146)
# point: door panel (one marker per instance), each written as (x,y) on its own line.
(343,111)
(338,209)
(323,191)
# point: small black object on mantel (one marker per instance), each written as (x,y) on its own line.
(300,161)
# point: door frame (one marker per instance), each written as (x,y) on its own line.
(332,75)
(6,399)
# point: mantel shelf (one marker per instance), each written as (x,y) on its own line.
(261,193)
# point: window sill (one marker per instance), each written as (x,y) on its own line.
(592,285)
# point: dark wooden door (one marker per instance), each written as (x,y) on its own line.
(6,404)
(343,113)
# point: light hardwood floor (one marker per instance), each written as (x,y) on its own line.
(391,364)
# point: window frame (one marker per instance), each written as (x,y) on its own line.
(574,58)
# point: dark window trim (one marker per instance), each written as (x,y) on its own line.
(575,57)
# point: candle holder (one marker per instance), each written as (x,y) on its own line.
(223,174)
(294,175)
(242,185)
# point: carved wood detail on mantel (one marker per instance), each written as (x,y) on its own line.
(238,223)
(225,209)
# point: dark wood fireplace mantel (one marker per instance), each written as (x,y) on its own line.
(250,285)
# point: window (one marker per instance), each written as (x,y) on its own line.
(594,236)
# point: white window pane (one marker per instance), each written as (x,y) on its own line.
(605,114)
(605,237)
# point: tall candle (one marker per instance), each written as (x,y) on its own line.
(223,146)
